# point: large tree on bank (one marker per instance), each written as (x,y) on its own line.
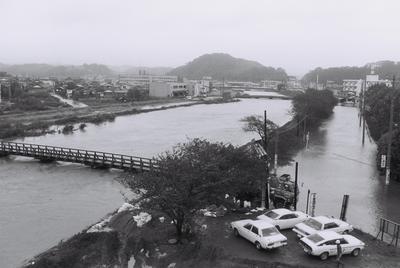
(197,174)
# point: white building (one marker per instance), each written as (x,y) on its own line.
(293,83)
(354,85)
(373,79)
(272,84)
(146,79)
(164,90)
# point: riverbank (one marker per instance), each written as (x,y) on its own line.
(27,124)
(120,240)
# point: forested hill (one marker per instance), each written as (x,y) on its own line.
(385,69)
(223,66)
(58,71)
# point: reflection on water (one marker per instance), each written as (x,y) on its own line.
(43,203)
(336,163)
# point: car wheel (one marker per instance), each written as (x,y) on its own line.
(345,231)
(355,252)
(236,232)
(277,227)
(324,256)
(258,245)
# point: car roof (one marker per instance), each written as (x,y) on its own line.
(329,235)
(323,219)
(261,224)
(281,211)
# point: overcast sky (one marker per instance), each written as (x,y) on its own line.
(297,35)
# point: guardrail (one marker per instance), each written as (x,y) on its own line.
(87,157)
(390,228)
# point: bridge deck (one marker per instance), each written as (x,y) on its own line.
(92,158)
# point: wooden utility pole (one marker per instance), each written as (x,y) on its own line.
(345,204)
(389,150)
(361,101)
(276,151)
(308,200)
(265,185)
(295,186)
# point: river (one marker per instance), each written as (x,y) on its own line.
(44,203)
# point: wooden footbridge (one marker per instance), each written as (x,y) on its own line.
(94,159)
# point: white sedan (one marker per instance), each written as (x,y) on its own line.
(283,218)
(324,244)
(262,234)
(321,223)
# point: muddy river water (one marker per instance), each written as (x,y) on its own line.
(44,203)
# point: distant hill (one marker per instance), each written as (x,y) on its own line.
(58,71)
(223,66)
(385,69)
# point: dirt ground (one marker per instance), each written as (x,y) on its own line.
(213,246)
(375,254)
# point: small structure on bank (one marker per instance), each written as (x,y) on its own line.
(282,190)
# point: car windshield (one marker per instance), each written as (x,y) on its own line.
(313,224)
(315,238)
(269,231)
(271,214)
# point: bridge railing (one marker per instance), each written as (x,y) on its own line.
(78,155)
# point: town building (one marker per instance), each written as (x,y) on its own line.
(164,90)
(271,84)
(146,79)
(373,79)
(353,85)
(293,84)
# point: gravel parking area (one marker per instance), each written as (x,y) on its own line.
(376,253)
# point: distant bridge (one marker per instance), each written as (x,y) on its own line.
(94,159)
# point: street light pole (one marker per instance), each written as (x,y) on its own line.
(389,150)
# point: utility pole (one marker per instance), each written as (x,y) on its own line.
(361,102)
(363,113)
(389,150)
(276,151)
(265,186)
(295,186)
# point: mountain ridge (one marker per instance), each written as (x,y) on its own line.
(223,66)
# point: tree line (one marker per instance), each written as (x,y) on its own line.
(377,113)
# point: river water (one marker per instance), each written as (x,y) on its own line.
(44,203)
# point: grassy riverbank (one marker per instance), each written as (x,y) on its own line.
(24,124)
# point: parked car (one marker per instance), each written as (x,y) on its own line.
(283,218)
(261,233)
(321,223)
(324,244)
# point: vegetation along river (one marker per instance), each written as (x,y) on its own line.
(44,203)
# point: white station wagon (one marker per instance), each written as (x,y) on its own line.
(261,233)
(324,244)
(283,218)
(321,223)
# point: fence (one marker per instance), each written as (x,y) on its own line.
(390,228)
